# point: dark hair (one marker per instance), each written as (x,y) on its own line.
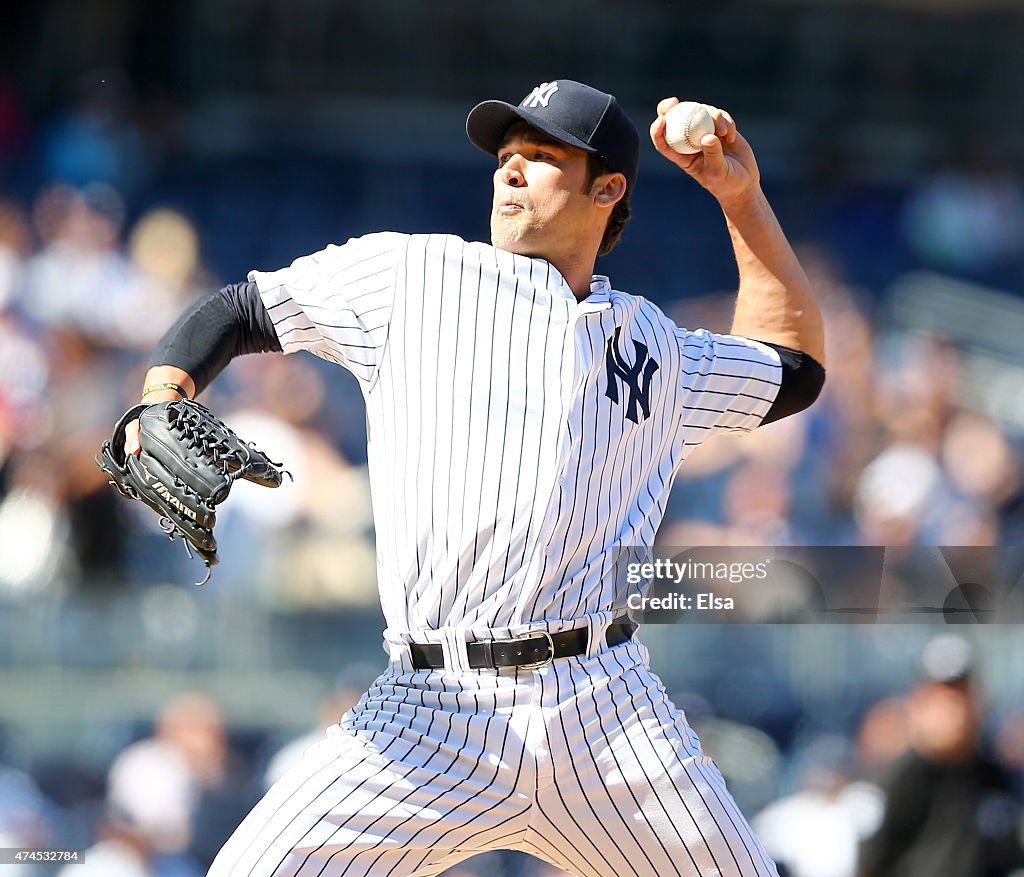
(596,167)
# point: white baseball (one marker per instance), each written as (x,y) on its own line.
(685,124)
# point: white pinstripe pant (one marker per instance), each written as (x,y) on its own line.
(584,763)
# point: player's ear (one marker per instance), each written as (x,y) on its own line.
(608,189)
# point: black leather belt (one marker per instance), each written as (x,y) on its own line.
(528,651)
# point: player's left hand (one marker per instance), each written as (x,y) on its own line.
(725,166)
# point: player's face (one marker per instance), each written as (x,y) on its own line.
(540,204)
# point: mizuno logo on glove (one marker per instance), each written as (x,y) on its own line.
(173,500)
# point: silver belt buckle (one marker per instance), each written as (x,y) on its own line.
(536,665)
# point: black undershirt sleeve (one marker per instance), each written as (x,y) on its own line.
(802,380)
(215,329)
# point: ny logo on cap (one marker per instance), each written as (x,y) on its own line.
(540,95)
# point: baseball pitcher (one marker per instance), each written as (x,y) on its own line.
(525,421)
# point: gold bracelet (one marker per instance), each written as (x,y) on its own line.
(156,388)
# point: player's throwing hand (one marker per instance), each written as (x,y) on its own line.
(725,166)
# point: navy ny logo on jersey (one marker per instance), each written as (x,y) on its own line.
(636,377)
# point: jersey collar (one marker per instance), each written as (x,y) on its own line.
(600,293)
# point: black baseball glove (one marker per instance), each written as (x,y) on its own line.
(188,462)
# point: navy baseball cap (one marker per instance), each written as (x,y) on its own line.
(571,113)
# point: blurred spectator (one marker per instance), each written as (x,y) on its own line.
(24,822)
(315,535)
(895,494)
(1009,745)
(184,788)
(80,279)
(982,467)
(968,218)
(882,737)
(757,506)
(122,849)
(33,526)
(166,273)
(814,832)
(22,359)
(949,808)
(95,140)
(157,782)
(26,368)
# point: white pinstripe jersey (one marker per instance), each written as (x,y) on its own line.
(517,439)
